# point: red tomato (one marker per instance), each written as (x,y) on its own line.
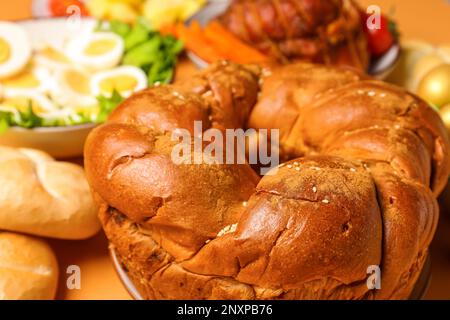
(58,8)
(380,40)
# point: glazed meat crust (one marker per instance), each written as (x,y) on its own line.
(364,164)
(324,31)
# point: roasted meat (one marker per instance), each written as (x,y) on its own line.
(322,31)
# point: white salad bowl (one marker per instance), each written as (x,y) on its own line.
(59,142)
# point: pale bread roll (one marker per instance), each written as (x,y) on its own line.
(44,197)
(28,268)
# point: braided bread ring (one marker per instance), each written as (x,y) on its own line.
(369,160)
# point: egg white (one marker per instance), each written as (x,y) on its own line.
(66,96)
(19,47)
(52,65)
(64,113)
(75,50)
(134,72)
(42,75)
(43,101)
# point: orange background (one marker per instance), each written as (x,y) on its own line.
(421,19)
(14,10)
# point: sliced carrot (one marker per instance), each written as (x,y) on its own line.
(169,29)
(222,46)
(214,43)
(227,43)
(195,42)
(196,27)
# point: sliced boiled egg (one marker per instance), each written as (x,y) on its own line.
(61,114)
(96,51)
(30,80)
(51,58)
(126,80)
(15,49)
(72,89)
(21,102)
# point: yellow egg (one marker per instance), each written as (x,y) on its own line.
(89,110)
(96,51)
(412,51)
(51,58)
(54,54)
(425,65)
(22,80)
(99,47)
(445,115)
(445,51)
(72,89)
(21,102)
(30,80)
(125,80)
(120,83)
(5,51)
(435,86)
(15,49)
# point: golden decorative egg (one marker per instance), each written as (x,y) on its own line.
(435,86)
(412,52)
(444,50)
(425,64)
(445,115)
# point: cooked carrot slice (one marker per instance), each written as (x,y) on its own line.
(195,42)
(228,44)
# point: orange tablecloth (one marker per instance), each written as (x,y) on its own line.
(428,20)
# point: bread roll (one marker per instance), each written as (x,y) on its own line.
(28,268)
(44,197)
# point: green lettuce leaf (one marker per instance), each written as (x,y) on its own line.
(107,105)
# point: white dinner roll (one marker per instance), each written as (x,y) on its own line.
(44,197)
(28,268)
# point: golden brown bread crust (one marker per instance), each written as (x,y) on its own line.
(325,110)
(28,268)
(374,159)
(322,31)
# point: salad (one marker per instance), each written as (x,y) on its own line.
(85,79)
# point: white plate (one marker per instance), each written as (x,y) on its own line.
(380,68)
(56,31)
(59,142)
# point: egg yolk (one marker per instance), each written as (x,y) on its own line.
(54,55)
(4,50)
(120,83)
(23,80)
(22,104)
(88,110)
(99,47)
(78,82)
